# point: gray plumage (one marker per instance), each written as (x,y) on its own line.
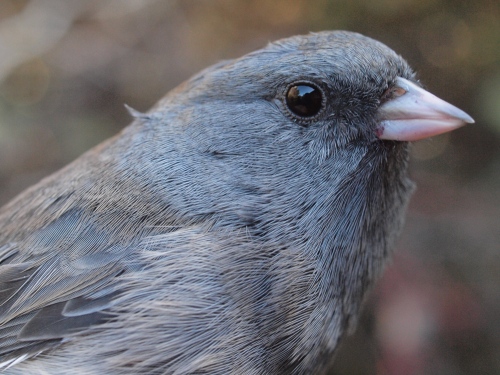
(219,233)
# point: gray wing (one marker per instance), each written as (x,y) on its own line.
(54,283)
(196,291)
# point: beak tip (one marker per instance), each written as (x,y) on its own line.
(469,120)
(462,116)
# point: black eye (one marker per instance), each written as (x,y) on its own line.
(304,100)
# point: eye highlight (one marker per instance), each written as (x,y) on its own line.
(304,100)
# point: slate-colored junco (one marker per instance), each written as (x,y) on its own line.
(233,229)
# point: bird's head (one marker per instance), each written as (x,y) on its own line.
(313,126)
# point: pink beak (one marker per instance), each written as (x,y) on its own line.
(415,113)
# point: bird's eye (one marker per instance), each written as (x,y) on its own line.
(304,99)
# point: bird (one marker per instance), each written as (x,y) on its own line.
(234,228)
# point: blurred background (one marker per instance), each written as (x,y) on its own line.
(68,66)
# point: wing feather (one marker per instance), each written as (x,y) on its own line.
(49,296)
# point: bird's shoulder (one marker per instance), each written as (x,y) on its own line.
(61,265)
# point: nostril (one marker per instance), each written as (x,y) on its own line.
(392,93)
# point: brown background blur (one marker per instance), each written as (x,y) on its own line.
(68,66)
